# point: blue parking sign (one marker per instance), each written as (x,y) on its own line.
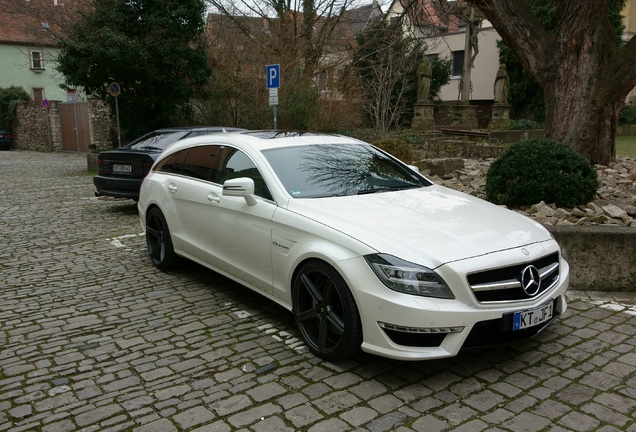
(273,76)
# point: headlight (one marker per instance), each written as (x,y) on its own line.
(408,278)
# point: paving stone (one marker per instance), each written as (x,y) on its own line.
(266,391)
(387,422)
(359,416)
(97,414)
(252,415)
(429,423)
(193,417)
(303,415)
(579,422)
(526,422)
(161,425)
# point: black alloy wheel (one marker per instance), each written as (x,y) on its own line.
(158,241)
(326,312)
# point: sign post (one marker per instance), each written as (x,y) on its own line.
(272,77)
(114,89)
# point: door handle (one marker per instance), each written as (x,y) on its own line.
(212,197)
(172,187)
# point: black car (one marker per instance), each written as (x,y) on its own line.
(120,172)
(6,139)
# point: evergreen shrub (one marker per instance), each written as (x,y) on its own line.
(541,169)
(523,124)
(627,115)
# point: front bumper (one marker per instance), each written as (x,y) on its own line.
(407,327)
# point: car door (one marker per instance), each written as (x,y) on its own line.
(238,236)
(189,192)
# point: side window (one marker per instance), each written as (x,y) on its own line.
(237,164)
(200,162)
(173,163)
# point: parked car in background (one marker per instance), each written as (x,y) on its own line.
(120,172)
(365,251)
(6,139)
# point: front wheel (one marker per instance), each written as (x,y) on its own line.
(158,241)
(326,312)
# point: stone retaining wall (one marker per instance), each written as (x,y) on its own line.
(32,133)
(601,258)
(30,127)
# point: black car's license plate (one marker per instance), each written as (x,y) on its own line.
(533,317)
(122,169)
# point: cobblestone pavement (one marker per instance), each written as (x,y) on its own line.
(94,338)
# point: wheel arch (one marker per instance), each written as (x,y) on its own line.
(354,336)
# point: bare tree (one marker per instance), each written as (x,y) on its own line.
(387,93)
(299,30)
(311,40)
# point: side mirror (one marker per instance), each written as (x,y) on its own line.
(240,187)
(414,168)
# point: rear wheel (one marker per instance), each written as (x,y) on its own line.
(326,312)
(158,241)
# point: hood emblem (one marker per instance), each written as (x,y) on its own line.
(525,251)
(530,280)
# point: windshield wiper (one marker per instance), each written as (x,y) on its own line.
(387,189)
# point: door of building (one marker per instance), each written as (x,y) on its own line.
(75,127)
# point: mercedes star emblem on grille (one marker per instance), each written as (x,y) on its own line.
(530,280)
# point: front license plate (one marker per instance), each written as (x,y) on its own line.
(533,317)
(120,168)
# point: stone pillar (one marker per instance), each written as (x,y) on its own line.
(423,118)
(500,117)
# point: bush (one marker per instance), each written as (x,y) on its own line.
(627,115)
(398,148)
(9,97)
(538,170)
(523,124)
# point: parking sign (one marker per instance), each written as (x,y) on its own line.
(272,76)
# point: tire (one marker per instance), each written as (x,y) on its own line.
(159,242)
(325,312)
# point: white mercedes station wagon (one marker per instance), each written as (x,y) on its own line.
(364,251)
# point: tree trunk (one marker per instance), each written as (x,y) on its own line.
(584,74)
(581,108)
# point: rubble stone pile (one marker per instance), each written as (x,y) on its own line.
(614,204)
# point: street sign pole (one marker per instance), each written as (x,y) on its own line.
(117,116)
(114,89)
(272,77)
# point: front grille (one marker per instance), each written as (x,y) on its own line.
(499,331)
(504,284)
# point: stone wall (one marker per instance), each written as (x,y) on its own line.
(32,132)
(103,127)
(459,148)
(601,258)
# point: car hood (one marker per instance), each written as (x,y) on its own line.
(430,226)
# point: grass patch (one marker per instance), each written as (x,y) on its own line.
(626,146)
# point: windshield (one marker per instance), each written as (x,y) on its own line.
(323,170)
(156,140)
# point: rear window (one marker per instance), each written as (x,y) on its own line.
(156,140)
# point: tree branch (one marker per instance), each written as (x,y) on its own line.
(522,32)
